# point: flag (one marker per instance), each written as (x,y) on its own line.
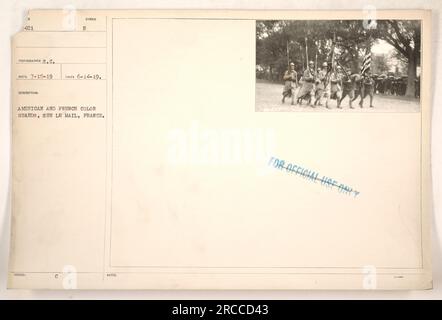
(366,63)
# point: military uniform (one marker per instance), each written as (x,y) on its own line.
(349,86)
(320,85)
(307,86)
(290,78)
(333,89)
(368,87)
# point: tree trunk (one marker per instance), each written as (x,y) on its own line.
(411,73)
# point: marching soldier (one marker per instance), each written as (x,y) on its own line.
(320,84)
(291,82)
(349,87)
(368,87)
(307,90)
(334,87)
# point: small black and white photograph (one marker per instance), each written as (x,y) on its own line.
(338,65)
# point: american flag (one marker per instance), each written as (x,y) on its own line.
(366,61)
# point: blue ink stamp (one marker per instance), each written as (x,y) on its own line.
(312,176)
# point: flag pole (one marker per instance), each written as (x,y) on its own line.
(288,56)
(316,58)
(306,53)
(333,52)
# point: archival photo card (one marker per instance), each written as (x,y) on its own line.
(143,157)
(338,65)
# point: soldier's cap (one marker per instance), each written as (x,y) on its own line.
(324,64)
(311,62)
(292,64)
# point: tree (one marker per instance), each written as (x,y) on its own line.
(279,42)
(271,40)
(405,37)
